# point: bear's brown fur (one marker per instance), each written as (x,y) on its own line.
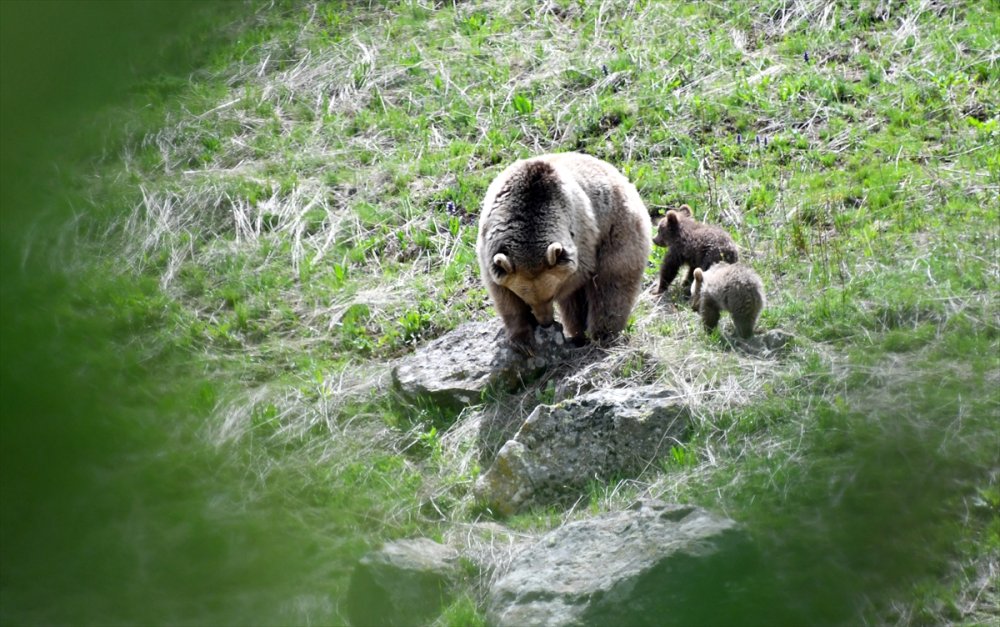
(735,288)
(690,243)
(567,229)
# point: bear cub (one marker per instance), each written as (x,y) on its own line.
(690,243)
(565,229)
(735,288)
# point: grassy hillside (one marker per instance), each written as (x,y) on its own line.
(199,316)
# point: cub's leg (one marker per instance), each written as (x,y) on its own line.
(688,280)
(744,325)
(668,271)
(709,313)
(745,316)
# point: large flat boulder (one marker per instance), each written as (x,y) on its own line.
(656,564)
(601,434)
(453,371)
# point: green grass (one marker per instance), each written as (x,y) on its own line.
(201,300)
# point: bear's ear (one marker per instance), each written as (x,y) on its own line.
(556,254)
(685,210)
(502,265)
(699,276)
(672,220)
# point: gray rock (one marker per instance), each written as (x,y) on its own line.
(773,341)
(605,371)
(656,564)
(602,434)
(402,583)
(776,339)
(454,370)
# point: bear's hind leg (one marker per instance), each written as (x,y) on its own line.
(610,298)
(745,318)
(744,327)
(688,281)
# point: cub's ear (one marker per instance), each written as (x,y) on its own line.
(699,276)
(672,220)
(502,265)
(556,254)
(685,210)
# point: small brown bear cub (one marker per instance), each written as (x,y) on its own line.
(728,287)
(563,229)
(691,243)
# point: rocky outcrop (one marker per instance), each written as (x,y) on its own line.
(403,583)
(601,434)
(656,564)
(455,369)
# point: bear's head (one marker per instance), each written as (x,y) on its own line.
(536,284)
(671,225)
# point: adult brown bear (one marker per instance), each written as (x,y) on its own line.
(566,229)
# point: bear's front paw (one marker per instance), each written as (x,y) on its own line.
(522,343)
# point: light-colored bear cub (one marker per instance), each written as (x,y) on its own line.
(735,288)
